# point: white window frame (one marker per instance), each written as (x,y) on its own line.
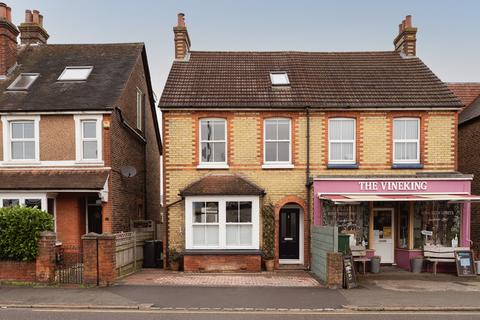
(79,138)
(212,165)
(139,109)
(277,164)
(23,196)
(11,87)
(354,141)
(284,73)
(222,218)
(417,141)
(7,140)
(60,78)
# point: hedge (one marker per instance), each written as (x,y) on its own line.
(20,229)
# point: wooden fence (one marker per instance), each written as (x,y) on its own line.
(129,251)
(324,239)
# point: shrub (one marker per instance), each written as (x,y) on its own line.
(268,219)
(20,229)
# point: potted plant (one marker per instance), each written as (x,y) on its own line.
(268,219)
(175,259)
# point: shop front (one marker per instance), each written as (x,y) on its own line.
(396,217)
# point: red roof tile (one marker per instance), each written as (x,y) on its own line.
(466,91)
(317,79)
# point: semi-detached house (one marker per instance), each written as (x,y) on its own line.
(76,122)
(363,140)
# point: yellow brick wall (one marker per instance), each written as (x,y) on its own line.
(439,146)
(246,139)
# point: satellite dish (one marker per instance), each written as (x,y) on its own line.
(128,171)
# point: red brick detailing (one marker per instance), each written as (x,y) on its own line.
(45,263)
(70,218)
(227,262)
(334,270)
(291,199)
(41,270)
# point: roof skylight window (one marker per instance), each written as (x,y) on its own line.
(75,73)
(23,81)
(279,78)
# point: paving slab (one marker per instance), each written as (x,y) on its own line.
(158,277)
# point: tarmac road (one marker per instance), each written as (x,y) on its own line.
(58,314)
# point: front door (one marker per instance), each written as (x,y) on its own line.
(383,234)
(289,234)
(94,218)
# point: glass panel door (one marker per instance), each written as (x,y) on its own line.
(383,234)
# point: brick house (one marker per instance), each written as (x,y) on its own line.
(468,146)
(75,122)
(367,139)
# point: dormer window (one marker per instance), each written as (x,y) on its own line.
(23,81)
(279,78)
(75,73)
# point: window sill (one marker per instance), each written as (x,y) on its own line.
(342,166)
(278,166)
(407,166)
(193,252)
(81,162)
(21,163)
(213,166)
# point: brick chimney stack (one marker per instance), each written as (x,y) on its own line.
(182,40)
(406,41)
(8,40)
(32,31)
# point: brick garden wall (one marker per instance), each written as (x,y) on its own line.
(212,263)
(17,271)
(245,152)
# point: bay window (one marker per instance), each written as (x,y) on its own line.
(341,141)
(222,222)
(277,142)
(213,142)
(406,140)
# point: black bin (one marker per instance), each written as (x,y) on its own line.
(158,244)
(149,254)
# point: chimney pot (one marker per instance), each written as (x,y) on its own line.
(9,14)
(3,10)
(40,20)
(408,21)
(35,16)
(181,20)
(28,16)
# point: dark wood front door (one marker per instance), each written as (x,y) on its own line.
(289,233)
(94,219)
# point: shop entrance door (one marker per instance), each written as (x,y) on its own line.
(383,234)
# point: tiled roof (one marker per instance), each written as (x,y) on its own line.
(465,91)
(112,66)
(471,112)
(53,180)
(318,79)
(222,184)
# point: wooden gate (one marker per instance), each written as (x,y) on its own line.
(129,251)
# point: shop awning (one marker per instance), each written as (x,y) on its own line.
(350,198)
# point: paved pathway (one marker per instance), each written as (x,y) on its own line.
(159,277)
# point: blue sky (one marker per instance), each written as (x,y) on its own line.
(447,39)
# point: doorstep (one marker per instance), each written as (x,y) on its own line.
(160,277)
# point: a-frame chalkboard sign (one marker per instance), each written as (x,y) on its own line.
(349,276)
(465,263)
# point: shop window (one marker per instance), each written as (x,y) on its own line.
(440,222)
(403,211)
(350,219)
